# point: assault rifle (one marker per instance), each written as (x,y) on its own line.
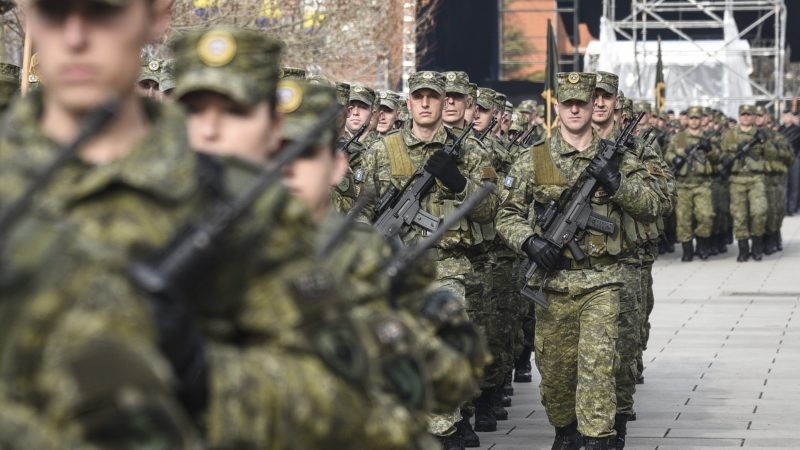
(399,209)
(488,129)
(742,152)
(691,154)
(564,221)
(346,146)
(521,137)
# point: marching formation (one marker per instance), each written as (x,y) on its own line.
(216,251)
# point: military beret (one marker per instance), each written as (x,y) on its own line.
(235,62)
(694,112)
(295,73)
(302,103)
(747,109)
(575,86)
(457,82)
(607,81)
(760,110)
(427,80)
(485,98)
(388,99)
(363,94)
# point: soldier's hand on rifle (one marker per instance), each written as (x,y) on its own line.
(762,136)
(677,161)
(704,145)
(606,172)
(542,252)
(445,169)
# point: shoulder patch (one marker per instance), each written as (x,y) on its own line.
(508,183)
(359,175)
(344,185)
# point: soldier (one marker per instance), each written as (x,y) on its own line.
(577,374)
(148,84)
(396,157)
(360,111)
(80,343)
(693,156)
(777,165)
(469,114)
(9,84)
(748,194)
(388,105)
(457,100)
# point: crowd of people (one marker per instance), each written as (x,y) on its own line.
(219,251)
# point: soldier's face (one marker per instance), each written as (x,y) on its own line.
(89,52)
(694,123)
(604,103)
(482,118)
(386,118)
(455,106)
(360,113)
(149,89)
(746,119)
(311,177)
(761,120)
(684,119)
(704,121)
(220,126)
(469,113)
(575,115)
(425,106)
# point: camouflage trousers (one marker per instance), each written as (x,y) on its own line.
(748,205)
(775,184)
(694,206)
(648,301)
(575,346)
(504,330)
(721,198)
(630,332)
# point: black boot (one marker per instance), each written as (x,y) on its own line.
(468,436)
(712,244)
(722,243)
(769,244)
(522,366)
(500,412)
(452,442)
(484,414)
(778,241)
(744,250)
(757,248)
(508,388)
(621,425)
(729,236)
(688,251)
(567,438)
(596,443)
(702,248)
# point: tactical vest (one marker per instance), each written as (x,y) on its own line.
(750,164)
(699,167)
(549,183)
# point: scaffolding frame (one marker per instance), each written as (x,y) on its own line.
(649,15)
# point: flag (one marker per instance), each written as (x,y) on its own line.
(549,94)
(661,88)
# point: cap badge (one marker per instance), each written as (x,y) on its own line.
(154,66)
(573,77)
(289,95)
(217,48)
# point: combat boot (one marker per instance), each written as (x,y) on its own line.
(500,412)
(769,244)
(778,241)
(757,249)
(567,438)
(452,442)
(484,415)
(688,251)
(468,435)
(508,388)
(722,243)
(621,426)
(744,250)
(596,443)
(712,245)
(702,248)
(522,366)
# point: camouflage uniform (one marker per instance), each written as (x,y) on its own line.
(394,159)
(9,84)
(778,161)
(575,338)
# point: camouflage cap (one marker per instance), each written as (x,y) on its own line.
(320,79)
(747,109)
(695,112)
(473,90)
(540,110)
(485,98)
(518,122)
(509,107)
(9,73)
(426,80)
(761,110)
(526,106)
(627,107)
(235,62)
(642,106)
(302,103)
(388,99)
(343,92)
(403,115)
(167,80)
(575,86)
(457,82)
(607,81)
(363,94)
(151,70)
(500,101)
(707,111)
(294,73)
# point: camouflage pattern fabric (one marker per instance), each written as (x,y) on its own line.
(9,83)
(747,189)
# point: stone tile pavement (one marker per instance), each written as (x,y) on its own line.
(723,363)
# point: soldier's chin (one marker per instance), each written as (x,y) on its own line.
(80,99)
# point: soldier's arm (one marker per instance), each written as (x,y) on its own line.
(371,181)
(513,222)
(478,169)
(637,193)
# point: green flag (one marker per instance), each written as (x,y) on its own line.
(661,88)
(549,93)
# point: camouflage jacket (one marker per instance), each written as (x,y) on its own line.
(752,163)
(536,184)
(701,166)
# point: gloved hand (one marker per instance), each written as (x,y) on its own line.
(542,252)
(444,168)
(678,161)
(704,145)
(606,172)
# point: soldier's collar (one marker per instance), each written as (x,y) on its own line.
(410,139)
(564,148)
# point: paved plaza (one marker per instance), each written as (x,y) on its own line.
(723,363)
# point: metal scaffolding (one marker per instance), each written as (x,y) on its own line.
(649,15)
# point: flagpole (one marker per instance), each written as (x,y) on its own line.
(26,63)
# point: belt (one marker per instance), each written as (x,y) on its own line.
(591,261)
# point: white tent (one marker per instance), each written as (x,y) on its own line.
(711,73)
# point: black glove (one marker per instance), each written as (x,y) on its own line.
(704,145)
(542,252)
(761,135)
(606,172)
(444,168)
(678,161)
